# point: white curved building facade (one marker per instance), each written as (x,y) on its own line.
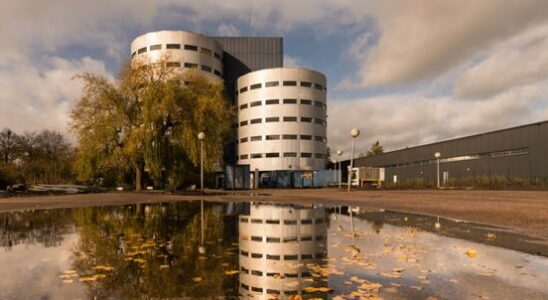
(282,122)
(279,244)
(185,51)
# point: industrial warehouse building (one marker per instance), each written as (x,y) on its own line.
(518,153)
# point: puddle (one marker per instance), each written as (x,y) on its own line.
(255,251)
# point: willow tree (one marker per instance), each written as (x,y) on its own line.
(147,119)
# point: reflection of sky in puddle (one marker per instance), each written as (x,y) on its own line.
(495,273)
(408,263)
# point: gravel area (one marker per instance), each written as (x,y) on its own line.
(524,212)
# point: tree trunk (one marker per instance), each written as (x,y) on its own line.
(138,175)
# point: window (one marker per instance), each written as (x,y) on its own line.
(272,222)
(257,289)
(306,221)
(290,119)
(173,46)
(155,47)
(243,106)
(217,55)
(306,84)
(217,73)
(306,154)
(306,102)
(207,51)
(306,238)
(318,138)
(273,154)
(289,136)
(257,221)
(306,256)
(272,137)
(290,239)
(243,90)
(191,66)
(271,83)
(257,255)
(290,222)
(256,86)
(291,257)
(256,138)
(273,257)
(206,68)
(272,239)
(306,137)
(142,50)
(319,121)
(272,292)
(191,47)
(243,123)
(272,101)
(318,86)
(290,101)
(256,155)
(256,273)
(256,121)
(243,140)
(318,104)
(318,155)
(173,64)
(290,83)
(290,154)
(255,103)
(244,156)
(306,119)
(272,119)
(257,238)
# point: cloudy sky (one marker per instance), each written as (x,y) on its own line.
(405,72)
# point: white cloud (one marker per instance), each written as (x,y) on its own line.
(420,39)
(227,30)
(521,60)
(36,97)
(292,61)
(398,121)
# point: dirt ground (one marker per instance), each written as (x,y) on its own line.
(523,212)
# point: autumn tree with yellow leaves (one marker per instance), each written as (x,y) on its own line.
(146,121)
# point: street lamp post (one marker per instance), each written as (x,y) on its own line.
(437,155)
(201,137)
(339,153)
(355,132)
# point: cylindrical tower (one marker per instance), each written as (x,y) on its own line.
(282,119)
(280,245)
(184,50)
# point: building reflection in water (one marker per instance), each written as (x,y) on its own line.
(278,246)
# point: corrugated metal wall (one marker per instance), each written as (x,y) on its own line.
(532,165)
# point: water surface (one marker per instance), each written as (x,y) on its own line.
(252,251)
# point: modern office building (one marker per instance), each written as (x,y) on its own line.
(519,152)
(278,245)
(183,51)
(282,119)
(282,112)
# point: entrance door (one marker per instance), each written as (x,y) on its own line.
(445,177)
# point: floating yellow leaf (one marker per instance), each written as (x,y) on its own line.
(197,279)
(471,253)
(164,266)
(231,272)
(100,276)
(225,264)
(491,236)
(87,278)
(67,281)
(69,272)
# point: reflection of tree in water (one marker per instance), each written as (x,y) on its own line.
(153,251)
(377,225)
(46,227)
